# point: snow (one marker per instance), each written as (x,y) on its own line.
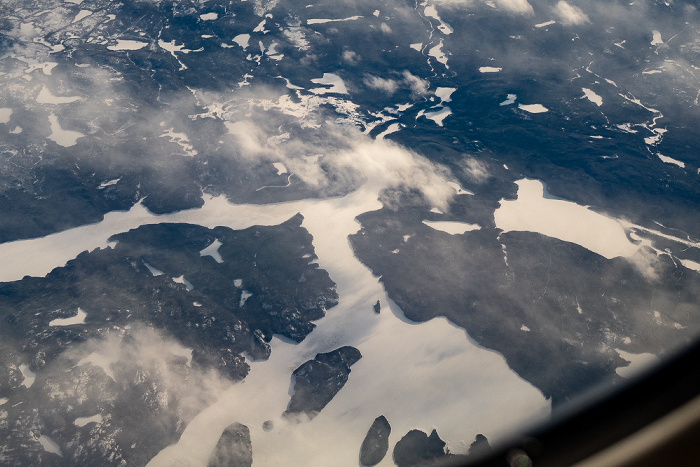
(323,21)
(406,367)
(567,221)
(5,114)
(209,16)
(154,272)
(100,360)
(245,295)
(510,99)
(46,97)
(79,318)
(393,128)
(452,228)
(82,421)
(671,160)
(65,138)
(213,251)
(542,25)
(82,14)
(49,445)
(436,211)
(180,139)
(656,38)
(524,328)
(533,108)
(695,266)
(638,363)
(182,280)
(237,283)
(443,27)
(104,185)
(459,189)
(127,45)
(445,94)
(280,167)
(438,115)
(417,46)
(3,400)
(337,86)
(29,376)
(16,130)
(242,40)
(592,96)
(437,53)
(181,351)
(489,69)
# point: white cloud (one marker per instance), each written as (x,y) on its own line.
(385,28)
(569,14)
(516,6)
(418,85)
(351,57)
(389,86)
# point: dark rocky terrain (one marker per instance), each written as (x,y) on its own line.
(317,381)
(376,443)
(127,292)
(233,449)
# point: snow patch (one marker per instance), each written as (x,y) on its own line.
(213,251)
(510,99)
(65,138)
(567,221)
(5,114)
(209,16)
(49,445)
(489,69)
(181,280)
(154,272)
(127,45)
(459,189)
(242,40)
(245,295)
(451,227)
(82,421)
(592,96)
(671,160)
(29,375)
(638,363)
(323,21)
(533,108)
(46,97)
(79,318)
(337,86)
